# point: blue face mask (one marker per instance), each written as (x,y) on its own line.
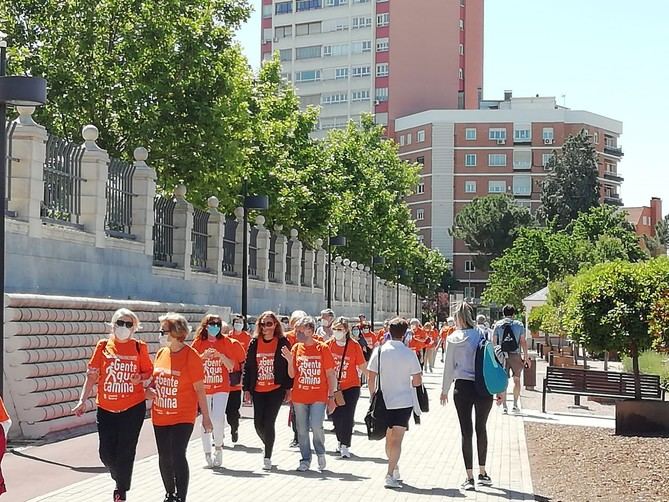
(213,330)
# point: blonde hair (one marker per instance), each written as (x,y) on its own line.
(427,325)
(125,313)
(464,316)
(178,324)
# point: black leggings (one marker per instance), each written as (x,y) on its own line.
(343,417)
(232,409)
(172,441)
(266,406)
(465,398)
(118,434)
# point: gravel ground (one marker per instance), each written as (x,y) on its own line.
(586,464)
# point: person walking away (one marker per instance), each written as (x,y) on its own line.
(177,390)
(482,325)
(394,368)
(239,332)
(431,346)
(324,330)
(219,354)
(265,380)
(119,365)
(311,365)
(460,367)
(417,340)
(510,335)
(349,365)
(446,330)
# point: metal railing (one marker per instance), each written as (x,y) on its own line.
(253,253)
(62,181)
(10,128)
(163,231)
(229,245)
(289,263)
(118,217)
(271,270)
(200,238)
(303,273)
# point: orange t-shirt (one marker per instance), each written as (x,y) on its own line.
(216,375)
(311,362)
(349,370)
(4,416)
(434,338)
(371,338)
(245,339)
(266,352)
(116,363)
(174,374)
(291,336)
(445,331)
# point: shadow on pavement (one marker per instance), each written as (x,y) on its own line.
(375,460)
(438,492)
(85,469)
(326,474)
(224,471)
(506,494)
(244,448)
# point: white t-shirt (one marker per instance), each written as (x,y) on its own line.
(398,364)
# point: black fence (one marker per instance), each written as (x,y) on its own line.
(229,245)
(10,128)
(200,238)
(303,271)
(289,263)
(62,181)
(253,253)
(118,218)
(163,231)
(271,271)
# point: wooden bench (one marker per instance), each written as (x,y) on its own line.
(581,382)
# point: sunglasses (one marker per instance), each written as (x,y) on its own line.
(214,323)
(121,323)
(267,324)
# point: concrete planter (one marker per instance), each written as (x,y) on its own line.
(642,418)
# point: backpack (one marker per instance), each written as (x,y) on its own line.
(490,375)
(509,342)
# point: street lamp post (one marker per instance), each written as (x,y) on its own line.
(16,91)
(250,202)
(336,240)
(376,260)
(400,273)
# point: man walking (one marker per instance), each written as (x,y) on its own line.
(510,335)
(398,371)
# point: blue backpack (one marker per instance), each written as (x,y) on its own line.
(490,375)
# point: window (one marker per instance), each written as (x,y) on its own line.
(335,50)
(360,95)
(286,54)
(408,138)
(361,71)
(267,10)
(420,160)
(313,51)
(301,5)
(547,134)
(497,159)
(341,73)
(361,47)
(382,70)
(382,45)
(360,1)
(334,99)
(283,31)
(402,140)
(595,138)
(307,29)
(420,136)
(610,141)
(420,238)
(266,56)
(266,35)
(462,49)
(470,186)
(469,266)
(522,159)
(497,133)
(420,189)
(470,133)
(470,159)
(311,99)
(420,214)
(522,185)
(286,76)
(382,94)
(470,292)
(496,186)
(307,76)
(522,134)
(545,159)
(462,24)
(335,3)
(610,168)
(461,74)
(283,7)
(383,19)
(361,22)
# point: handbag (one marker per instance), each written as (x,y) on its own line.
(375,419)
(423,402)
(339,394)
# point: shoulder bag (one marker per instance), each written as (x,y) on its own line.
(376,420)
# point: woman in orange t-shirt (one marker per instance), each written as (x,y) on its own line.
(349,365)
(232,414)
(6,423)
(119,365)
(431,348)
(177,391)
(311,365)
(219,355)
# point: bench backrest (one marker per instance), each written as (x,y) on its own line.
(601,382)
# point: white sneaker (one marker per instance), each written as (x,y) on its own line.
(267,464)
(321,462)
(515,409)
(303,467)
(218,457)
(343,451)
(209,460)
(396,473)
(391,482)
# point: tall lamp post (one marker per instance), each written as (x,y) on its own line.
(419,282)
(400,274)
(250,202)
(14,91)
(376,260)
(333,240)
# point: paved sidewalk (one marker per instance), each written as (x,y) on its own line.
(431,466)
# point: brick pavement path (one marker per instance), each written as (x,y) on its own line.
(431,466)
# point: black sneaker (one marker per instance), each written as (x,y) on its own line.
(235,436)
(119,496)
(468,485)
(294,444)
(484,480)
(170,497)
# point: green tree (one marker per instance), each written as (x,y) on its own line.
(488,225)
(571,186)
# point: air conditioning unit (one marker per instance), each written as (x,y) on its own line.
(501,142)
(548,141)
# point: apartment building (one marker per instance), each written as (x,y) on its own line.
(644,218)
(391,58)
(503,147)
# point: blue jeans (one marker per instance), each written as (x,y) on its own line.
(310,416)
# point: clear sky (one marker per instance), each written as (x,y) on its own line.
(606,56)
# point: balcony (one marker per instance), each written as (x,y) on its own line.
(613,150)
(613,177)
(613,199)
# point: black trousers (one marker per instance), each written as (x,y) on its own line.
(172,441)
(343,417)
(118,434)
(465,398)
(232,409)
(266,406)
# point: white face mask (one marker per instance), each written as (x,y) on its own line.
(238,326)
(326,323)
(339,334)
(164,340)
(122,333)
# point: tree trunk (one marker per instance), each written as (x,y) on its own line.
(635,369)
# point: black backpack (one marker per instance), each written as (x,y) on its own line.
(509,342)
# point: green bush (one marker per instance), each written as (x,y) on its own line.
(651,363)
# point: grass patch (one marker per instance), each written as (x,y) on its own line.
(651,363)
